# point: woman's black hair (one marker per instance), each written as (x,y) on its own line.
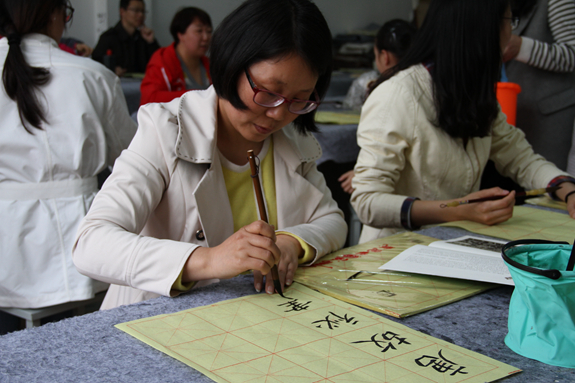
(19,18)
(395,36)
(186,16)
(260,30)
(460,43)
(124,4)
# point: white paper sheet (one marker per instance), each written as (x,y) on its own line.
(446,259)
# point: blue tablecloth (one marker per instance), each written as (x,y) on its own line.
(131,89)
(338,143)
(90,349)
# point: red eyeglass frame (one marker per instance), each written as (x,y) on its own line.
(282,98)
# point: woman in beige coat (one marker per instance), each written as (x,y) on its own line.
(432,122)
(173,214)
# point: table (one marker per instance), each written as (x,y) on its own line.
(89,348)
(338,143)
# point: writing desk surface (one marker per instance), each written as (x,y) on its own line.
(90,348)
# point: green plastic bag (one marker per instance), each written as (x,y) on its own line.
(542,308)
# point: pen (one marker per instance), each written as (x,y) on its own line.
(263,215)
(522,195)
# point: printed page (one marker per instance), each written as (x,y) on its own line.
(472,244)
(427,260)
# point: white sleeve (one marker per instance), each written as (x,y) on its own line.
(108,244)
(119,127)
(384,135)
(560,55)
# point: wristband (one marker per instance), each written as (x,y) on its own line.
(557,181)
(567,195)
(406,213)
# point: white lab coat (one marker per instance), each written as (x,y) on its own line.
(48,178)
(169,185)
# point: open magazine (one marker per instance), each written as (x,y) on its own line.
(466,257)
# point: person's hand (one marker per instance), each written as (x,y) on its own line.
(345,181)
(252,247)
(83,50)
(147,34)
(567,187)
(290,252)
(120,71)
(488,212)
(512,49)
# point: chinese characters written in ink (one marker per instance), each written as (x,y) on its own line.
(386,342)
(334,321)
(440,364)
(294,305)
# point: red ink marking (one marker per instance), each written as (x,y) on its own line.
(347,257)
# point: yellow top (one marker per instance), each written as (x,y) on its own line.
(240,188)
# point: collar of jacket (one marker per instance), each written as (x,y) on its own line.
(123,35)
(34,39)
(196,140)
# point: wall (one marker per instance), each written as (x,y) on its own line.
(341,15)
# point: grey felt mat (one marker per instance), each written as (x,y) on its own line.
(90,349)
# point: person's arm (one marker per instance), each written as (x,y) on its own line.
(108,244)
(253,247)
(345,181)
(110,247)
(514,157)
(325,231)
(150,39)
(119,127)
(567,190)
(303,244)
(385,134)
(556,57)
(488,212)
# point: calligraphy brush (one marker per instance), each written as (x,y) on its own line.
(523,195)
(263,215)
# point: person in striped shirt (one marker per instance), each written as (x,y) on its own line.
(540,57)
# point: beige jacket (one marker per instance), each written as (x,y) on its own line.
(404,154)
(168,186)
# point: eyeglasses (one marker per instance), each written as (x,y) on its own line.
(69,12)
(514,21)
(137,10)
(269,99)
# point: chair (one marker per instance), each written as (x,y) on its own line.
(34,316)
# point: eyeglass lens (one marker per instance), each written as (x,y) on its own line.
(138,10)
(69,12)
(271,100)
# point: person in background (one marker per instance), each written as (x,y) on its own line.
(130,42)
(540,57)
(179,209)
(183,65)
(431,123)
(64,119)
(75,47)
(392,41)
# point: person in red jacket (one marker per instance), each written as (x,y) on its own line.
(183,65)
